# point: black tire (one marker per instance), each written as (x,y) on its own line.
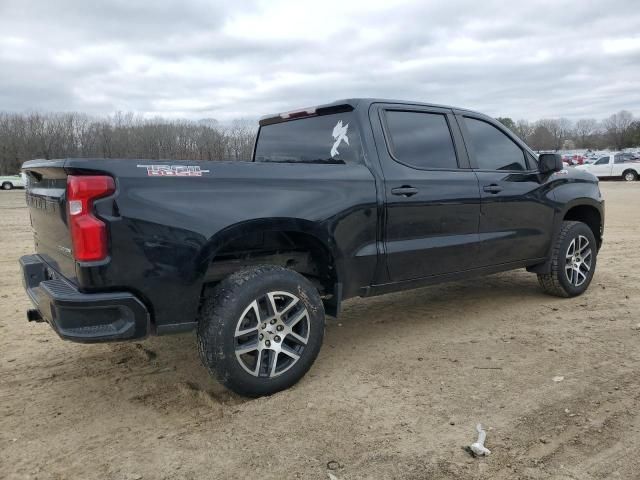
(230,304)
(557,282)
(629,176)
(7,186)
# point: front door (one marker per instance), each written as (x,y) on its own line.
(602,167)
(432,199)
(516,214)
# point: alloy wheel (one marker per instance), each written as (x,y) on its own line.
(271,334)
(579,258)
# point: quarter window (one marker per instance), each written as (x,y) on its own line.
(324,139)
(421,140)
(493,149)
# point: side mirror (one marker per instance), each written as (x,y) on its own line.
(549,162)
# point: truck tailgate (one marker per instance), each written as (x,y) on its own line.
(46,199)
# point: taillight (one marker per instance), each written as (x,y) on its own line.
(88,233)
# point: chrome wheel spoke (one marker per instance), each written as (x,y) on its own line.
(272,304)
(289,306)
(241,327)
(290,353)
(572,249)
(584,244)
(273,362)
(569,273)
(256,371)
(297,338)
(246,331)
(293,322)
(244,349)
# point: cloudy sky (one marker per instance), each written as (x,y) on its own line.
(198,59)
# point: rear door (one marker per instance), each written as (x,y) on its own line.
(516,214)
(431,195)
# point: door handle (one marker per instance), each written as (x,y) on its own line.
(492,188)
(404,191)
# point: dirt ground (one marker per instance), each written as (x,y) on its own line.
(396,392)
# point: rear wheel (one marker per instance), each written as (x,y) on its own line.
(573,261)
(629,176)
(7,186)
(261,330)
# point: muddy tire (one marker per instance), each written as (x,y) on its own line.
(573,261)
(260,330)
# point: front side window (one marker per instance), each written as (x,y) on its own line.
(493,149)
(421,140)
(323,139)
(602,161)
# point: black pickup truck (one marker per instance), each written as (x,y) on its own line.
(358,197)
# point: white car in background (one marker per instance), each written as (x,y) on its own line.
(617,165)
(9,182)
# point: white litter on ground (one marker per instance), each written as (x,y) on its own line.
(478,447)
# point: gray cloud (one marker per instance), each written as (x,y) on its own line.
(199,59)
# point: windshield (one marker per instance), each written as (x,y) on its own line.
(324,139)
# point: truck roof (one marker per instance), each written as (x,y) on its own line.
(347,102)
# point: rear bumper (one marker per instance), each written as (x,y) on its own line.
(82,317)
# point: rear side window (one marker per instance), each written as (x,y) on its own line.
(623,158)
(421,140)
(493,149)
(324,139)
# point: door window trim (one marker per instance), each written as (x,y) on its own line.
(410,109)
(472,154)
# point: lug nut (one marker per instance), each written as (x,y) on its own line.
(267,343)
(279,328)
(264,325)
(273,320)
(277,338)
(261,336)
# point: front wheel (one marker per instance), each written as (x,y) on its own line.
(261,329)
(629,176)
(573,261)
(7,186)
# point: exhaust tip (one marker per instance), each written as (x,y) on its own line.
(33,315)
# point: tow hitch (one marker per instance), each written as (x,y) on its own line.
(33,315)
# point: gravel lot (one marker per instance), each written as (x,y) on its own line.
(396,391)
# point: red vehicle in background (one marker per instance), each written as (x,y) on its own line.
(573,159)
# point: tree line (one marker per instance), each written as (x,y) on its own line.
(24,136)
(616,132)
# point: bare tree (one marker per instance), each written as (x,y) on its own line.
(585,127)
(552,130)
(524,130)
(618,127)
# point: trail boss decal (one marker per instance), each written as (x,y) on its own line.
(173,170)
